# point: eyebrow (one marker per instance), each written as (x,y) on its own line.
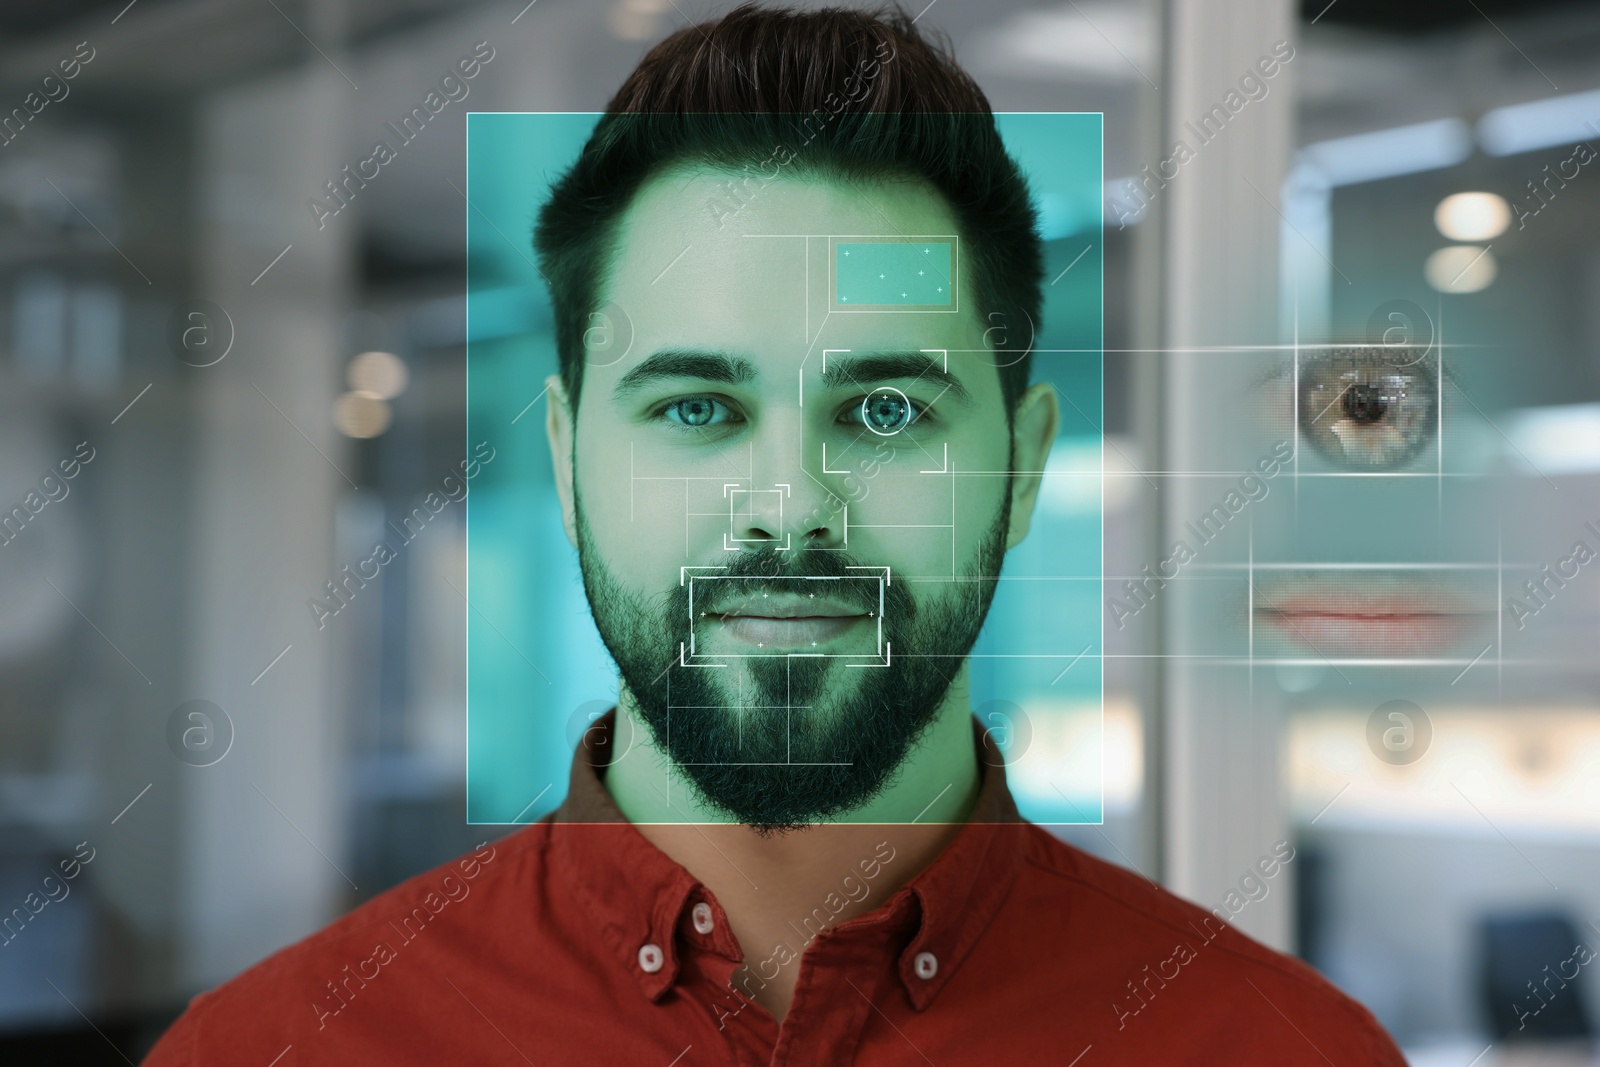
(891,366)
(673,363)
(737,370)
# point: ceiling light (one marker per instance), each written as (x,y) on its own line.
(635,20)
(360,414)
(1366,157)
(382,374)
(1555,120)
(1472,216)
(1460,269)
(1095,39)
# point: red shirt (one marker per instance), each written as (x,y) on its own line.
(576,941)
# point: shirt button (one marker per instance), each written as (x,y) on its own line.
(650,959)
(702,918)
(926,965)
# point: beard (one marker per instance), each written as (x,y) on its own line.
(779,742)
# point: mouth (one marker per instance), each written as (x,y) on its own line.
(1373,615)
(788,621)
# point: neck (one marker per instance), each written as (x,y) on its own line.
(766,884)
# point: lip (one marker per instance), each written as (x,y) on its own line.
(787,620)
(1371,615)
(796,631)
(787,606)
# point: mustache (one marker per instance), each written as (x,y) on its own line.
(844,578)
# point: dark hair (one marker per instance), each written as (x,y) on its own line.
(864,95)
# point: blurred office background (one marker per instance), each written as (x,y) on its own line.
(200,437)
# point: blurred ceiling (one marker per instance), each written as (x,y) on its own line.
(1379,72)
(1361,65)
(156,46)
(21,18)
(1415,15)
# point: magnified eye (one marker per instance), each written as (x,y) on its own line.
(886,411)
(1369,408)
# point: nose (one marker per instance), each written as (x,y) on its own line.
(790,502)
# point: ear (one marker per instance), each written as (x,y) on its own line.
(1033,431)
(558,427)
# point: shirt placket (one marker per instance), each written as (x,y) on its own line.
(846,979)
(746,1031)
(708,955)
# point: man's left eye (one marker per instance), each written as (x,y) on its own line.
(697,411)
(884,412)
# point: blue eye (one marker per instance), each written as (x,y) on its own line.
(885,412)
(696,411)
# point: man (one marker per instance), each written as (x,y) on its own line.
(784,846)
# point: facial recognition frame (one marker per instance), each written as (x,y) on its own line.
(535,664)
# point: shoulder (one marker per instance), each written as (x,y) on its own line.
(1142,938)
(272,1000)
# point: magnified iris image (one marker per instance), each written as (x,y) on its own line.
(1369,407)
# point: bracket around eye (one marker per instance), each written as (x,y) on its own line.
(870,405)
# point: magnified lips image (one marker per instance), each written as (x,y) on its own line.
(1370,407)
(1374,613)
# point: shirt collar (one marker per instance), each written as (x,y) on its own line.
(637,896)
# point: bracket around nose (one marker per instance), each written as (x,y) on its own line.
(732,492)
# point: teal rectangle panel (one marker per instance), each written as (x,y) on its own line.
(892,273)
(537,671)
(536,668)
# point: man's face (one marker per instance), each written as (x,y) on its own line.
(785,627)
